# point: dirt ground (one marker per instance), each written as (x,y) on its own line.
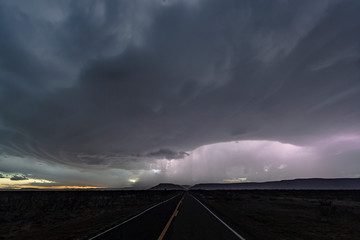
(69,214)
(271,214)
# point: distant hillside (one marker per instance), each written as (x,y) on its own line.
(301,184)
(167,186)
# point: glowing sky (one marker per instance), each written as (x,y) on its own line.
(133,93)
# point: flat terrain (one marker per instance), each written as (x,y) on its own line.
(292,214)
(70,214)
(253,214)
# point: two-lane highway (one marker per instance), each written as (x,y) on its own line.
(194,221)
(182,217)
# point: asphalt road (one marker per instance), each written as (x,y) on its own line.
(147,226)
(182,217)
(195,222)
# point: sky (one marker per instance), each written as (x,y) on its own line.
(115,94)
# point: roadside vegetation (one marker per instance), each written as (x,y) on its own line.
(293,214)
(69,214)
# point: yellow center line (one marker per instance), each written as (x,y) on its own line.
(170,220)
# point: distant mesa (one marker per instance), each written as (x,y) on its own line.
(186,186)
(167,186)
(296,184)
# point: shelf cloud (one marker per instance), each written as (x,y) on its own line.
(119,85)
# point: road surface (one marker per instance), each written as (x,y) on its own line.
(182,217)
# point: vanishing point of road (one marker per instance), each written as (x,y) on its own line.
(180,217)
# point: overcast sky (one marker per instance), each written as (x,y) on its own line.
(133,93)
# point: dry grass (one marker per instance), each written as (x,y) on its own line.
(288,214)
(69,214)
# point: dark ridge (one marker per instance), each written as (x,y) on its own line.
(167,186)
(296,184)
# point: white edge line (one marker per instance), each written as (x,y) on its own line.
(238,235)
(132,217)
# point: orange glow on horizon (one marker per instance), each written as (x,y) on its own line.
(19,187)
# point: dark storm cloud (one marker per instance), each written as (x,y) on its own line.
(116,84)
(168,154)
(18,178)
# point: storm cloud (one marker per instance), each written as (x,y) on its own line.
(18,178)
(121,84)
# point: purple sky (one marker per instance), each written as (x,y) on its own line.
(133,93)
